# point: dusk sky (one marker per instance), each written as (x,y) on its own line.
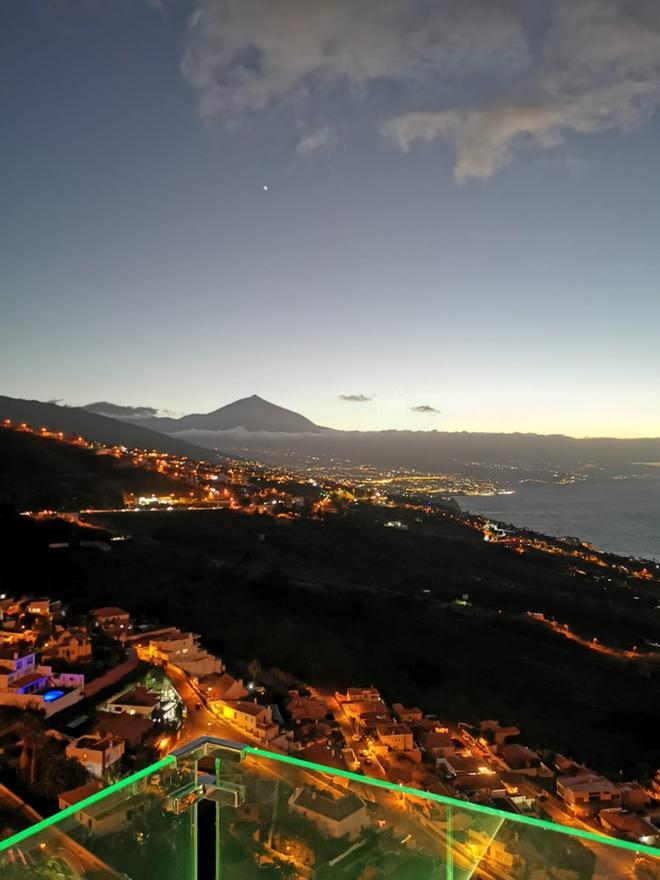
(449,206)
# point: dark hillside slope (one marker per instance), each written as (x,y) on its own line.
(101,429)
(38,473)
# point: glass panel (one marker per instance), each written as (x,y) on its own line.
(141,828)
(296,819)
(261,815)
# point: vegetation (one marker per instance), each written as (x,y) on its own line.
(362,616)
(37,473)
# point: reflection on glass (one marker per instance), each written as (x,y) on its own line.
(230,812)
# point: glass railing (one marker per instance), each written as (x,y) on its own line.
(233,812)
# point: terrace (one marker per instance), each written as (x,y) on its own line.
(216,809)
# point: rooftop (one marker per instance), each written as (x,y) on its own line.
(334,808)
(109,611)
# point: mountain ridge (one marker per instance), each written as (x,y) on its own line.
(96,427)
(249,413)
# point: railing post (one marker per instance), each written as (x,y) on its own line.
(450,845)
(217,825)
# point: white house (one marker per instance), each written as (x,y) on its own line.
(28,685)
(97,753)
(339,815)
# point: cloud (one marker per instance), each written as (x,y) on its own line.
(104,408)
(243,56)
(355,398)
(314,141)
(599,70)
(425,408)
(490,78)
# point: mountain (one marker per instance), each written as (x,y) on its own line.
(91,426)
(250,413)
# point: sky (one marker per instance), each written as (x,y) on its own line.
(386,214)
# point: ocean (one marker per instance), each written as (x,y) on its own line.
(621,516)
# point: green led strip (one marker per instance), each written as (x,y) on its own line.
(468,806)
(36,829)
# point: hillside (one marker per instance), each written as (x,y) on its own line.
(38,473)
(76,420)
(382,611)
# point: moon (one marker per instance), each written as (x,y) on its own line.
(265,188)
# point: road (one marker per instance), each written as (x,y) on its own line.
(200,722)
(398,812)
(54,843)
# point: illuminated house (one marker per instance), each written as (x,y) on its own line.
(395,736)
(28,685)
(97,753)
(71,645)
(114,621)
(134,701)
(587,792)
(337,815)
(222,687)
(250,718)
(182,650)
(39,606)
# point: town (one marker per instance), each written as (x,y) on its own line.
(89,697)
(108,696)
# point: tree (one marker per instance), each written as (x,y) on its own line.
(59,773)
(31,730)
(254,668)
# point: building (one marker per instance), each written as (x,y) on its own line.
(39,606)
(250,718)
(182,650)
(631,826)
(587,792)
(98,754)
(135,730)
(336,816)
(479,841)
(113,621)
(307,709)
(222,687)
(396,736)
(81,793)
(70,645)
(367,713)
(358,695)
(634,797)
(135,701)
(437,744)
(498,735)
(520,759)
(102,819)
(26,684)
(408,715)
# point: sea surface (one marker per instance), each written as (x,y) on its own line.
(621,516)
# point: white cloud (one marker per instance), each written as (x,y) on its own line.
(599,70)
(241,56)
(314,141)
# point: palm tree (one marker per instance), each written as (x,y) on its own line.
(31,730)
(59,773)
(254,668)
